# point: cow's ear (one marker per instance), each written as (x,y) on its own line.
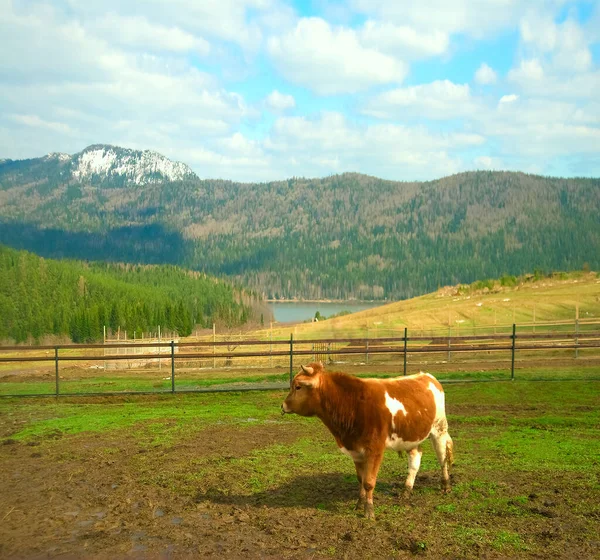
(306,382)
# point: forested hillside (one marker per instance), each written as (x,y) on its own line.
(344,236)
(41,296)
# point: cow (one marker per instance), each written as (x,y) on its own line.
(366,416)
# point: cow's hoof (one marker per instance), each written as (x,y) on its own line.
(360,504)
(370,512)
(407,493)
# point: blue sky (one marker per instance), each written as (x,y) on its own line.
(257,90)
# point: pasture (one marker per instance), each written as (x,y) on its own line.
(226,475)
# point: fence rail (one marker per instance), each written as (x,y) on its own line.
(369,347)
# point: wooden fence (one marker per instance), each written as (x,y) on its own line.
(295,351)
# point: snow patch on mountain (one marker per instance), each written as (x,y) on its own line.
(59,156)
(139,167)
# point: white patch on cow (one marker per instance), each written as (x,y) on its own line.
(440,408)
(354,455)
(394,405)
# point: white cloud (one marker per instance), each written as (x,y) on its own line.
(384,150)
(227,20)
(209,127)
(277,101)
(556,58)
(36,122)
(239,145)
(485,75)
(331,60)
(528,71)
(138,32)
(329,132)
(402,40)
(511,98)
(541,129)
(477,18)
(488,162)
(565,43)
(211,163)
(441,99)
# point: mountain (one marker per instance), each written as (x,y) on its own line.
(100,165)
(343,236)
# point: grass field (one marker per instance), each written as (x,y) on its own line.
(226,475)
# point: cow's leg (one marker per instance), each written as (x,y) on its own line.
(414,462)
(371,469)
(362,496)
(442,443)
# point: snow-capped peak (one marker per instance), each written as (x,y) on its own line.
(134,166)
(59,156)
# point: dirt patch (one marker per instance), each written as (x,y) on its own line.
(87,494)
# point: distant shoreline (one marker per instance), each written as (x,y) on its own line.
(337,301)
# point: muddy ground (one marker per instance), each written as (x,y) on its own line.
(136,494)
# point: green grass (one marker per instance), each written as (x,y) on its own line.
(130,382)
(71,417)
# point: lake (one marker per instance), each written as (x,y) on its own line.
(291,311)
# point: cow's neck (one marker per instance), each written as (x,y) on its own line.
(340,398)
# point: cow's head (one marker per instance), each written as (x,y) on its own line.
(303,398)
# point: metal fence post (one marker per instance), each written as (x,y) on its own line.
(405,341)
(449,335)
(576,338)
(56,370)
(291,358)
(367,348)
(172,366)
(512,360)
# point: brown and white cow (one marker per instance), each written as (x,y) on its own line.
(366,416)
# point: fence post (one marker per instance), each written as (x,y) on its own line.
(56,370)
(576,338)
(367,347)
(512,360)
(405,341)
(214,344)
(449,335)
(291,358)
(172,366)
